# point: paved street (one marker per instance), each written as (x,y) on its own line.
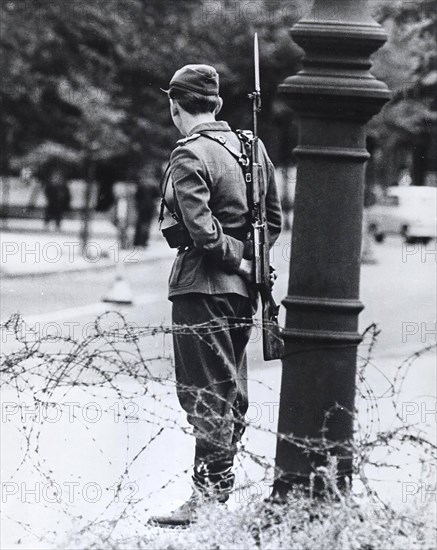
(400,295)
(44,295)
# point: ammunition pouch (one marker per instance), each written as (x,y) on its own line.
(177,235)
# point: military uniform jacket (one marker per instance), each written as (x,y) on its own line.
(210,196)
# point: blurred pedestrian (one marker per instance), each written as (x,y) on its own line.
(146,196)
(57,195)
(120,213)
(367,250)
(28,180)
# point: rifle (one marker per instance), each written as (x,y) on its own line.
(273,344)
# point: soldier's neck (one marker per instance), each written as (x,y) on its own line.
(190,121)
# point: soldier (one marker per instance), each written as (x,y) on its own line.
(210,282)
(146,196)
(57,195)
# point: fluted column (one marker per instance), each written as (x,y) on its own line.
(334,95)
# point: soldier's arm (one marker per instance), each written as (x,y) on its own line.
(192,194)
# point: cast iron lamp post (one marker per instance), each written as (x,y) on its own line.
(334,96)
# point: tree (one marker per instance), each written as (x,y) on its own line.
(404,133)
(82,72)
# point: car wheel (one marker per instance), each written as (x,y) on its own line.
(379,237)
(410,240)
(373,230)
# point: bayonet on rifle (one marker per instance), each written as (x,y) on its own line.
(272,340)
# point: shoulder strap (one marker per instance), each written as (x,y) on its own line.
(163,184)
(244,137)
(187,139)
(242,158)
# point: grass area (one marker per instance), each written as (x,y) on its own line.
(348,523)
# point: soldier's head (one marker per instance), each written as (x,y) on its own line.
(194,95)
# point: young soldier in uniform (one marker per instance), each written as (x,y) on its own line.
(210,283)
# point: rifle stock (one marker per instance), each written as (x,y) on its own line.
(273,344)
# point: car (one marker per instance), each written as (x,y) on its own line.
(410,211)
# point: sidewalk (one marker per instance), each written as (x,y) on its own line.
(28,249)
(100,226)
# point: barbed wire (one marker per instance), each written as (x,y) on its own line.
(132,367)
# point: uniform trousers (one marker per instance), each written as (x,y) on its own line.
(210,336)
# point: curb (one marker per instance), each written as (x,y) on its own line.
(92,266)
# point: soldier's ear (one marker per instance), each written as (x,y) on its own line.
(174,107)
(219,106)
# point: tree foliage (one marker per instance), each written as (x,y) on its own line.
(408,64)
(84,76)
(87,75)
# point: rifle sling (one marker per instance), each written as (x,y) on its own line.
(242,158)
(243,161)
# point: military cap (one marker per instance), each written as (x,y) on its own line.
(201,79)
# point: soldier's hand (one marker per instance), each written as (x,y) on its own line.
(273,276)
(246,269)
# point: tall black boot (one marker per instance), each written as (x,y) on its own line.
(183,515)
(212,474)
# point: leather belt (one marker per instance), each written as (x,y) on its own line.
(239,233)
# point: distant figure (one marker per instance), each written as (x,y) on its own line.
(34,186)
(26,175)
(146,196)
(58,197)
(120,213)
